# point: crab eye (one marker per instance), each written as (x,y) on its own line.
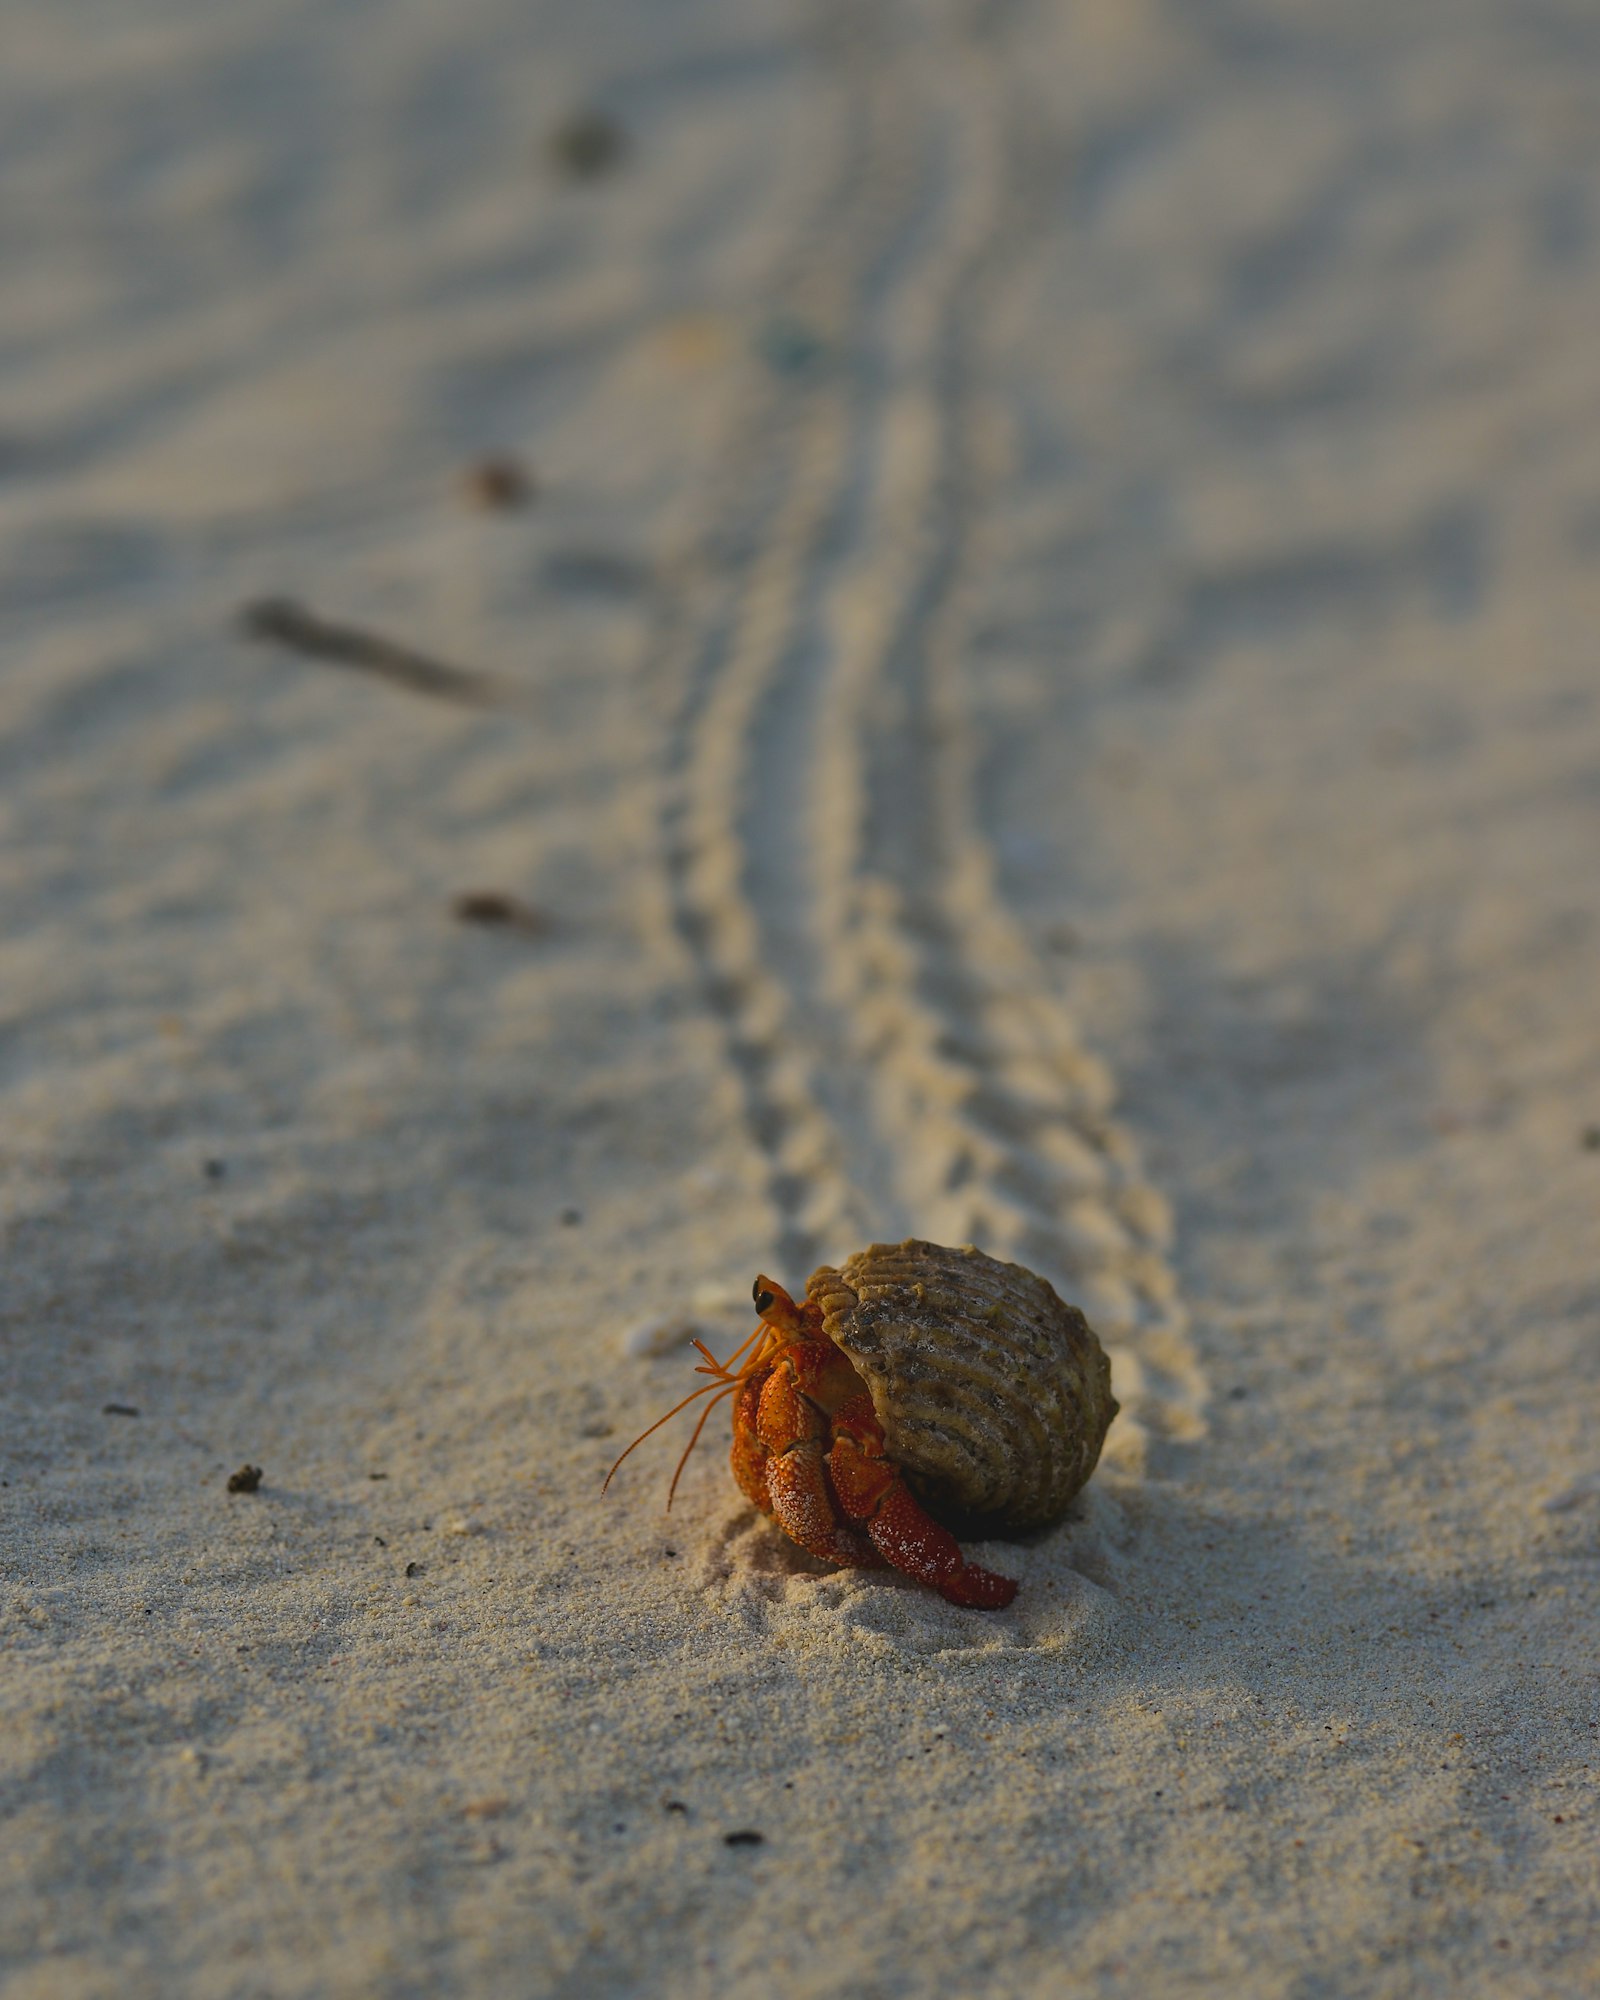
(762,1297)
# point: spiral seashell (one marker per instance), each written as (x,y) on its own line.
(993,1393)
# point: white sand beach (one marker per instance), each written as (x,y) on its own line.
(994,609)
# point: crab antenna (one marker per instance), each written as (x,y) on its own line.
(760,1331)
(731,1382)
(725,1367)
(726,1390)
(723,1380)
(704,1389)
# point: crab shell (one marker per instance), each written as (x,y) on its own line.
(993,1393)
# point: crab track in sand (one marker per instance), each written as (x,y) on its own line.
(903,1063)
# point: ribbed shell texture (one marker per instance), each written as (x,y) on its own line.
(994,1394)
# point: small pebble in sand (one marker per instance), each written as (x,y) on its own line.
(587,145)
(118,1410)
(745,1837)
(497,911)
(215,1169)
(789,346)
(1591,1138)
(416,1569)
(497,485)
(246,1480)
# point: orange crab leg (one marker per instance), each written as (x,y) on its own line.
(749,1456)
(871,1491)
(792,1428)
(803,1508)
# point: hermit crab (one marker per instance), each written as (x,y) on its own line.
(914,1391)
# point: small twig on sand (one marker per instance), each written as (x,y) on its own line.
(283,622)
(495,909)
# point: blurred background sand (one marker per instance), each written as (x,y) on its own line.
(1023,667)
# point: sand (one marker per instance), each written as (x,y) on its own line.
(1042,691)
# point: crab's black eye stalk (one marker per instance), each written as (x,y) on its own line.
(762,1297)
